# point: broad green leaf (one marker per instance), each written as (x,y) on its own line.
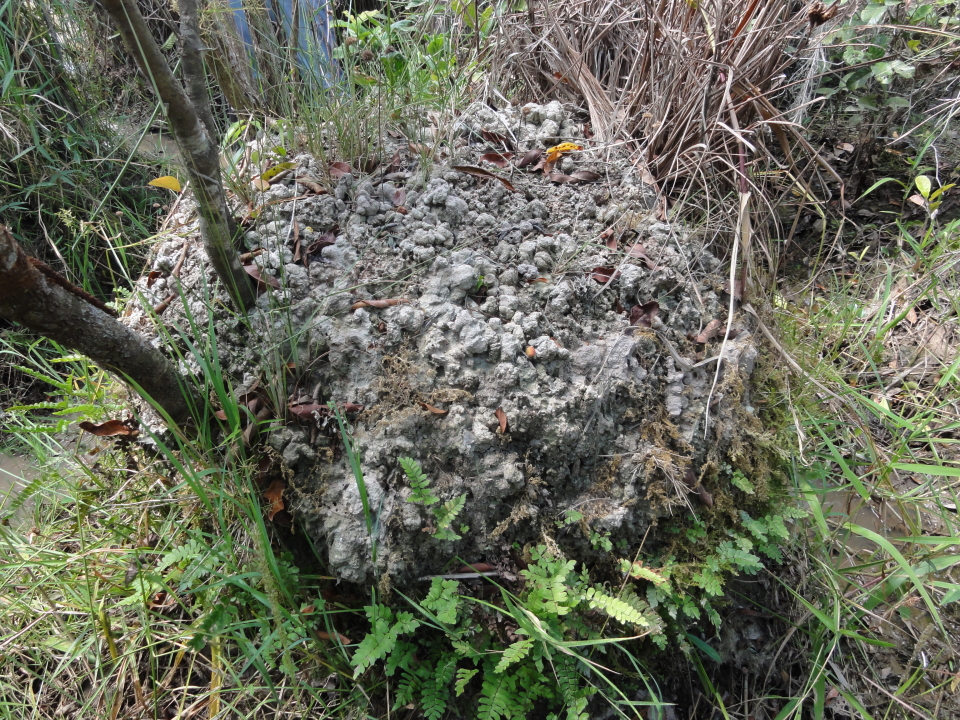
(873,13)
(923,185)
(167,181)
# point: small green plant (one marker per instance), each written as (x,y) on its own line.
(446,514)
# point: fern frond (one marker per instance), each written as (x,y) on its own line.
(515,653)
(188,551)
(614,607)
(446,514)
(464,675)
(419,482)
(496,698)
(443,600)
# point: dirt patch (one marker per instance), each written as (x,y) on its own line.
(535,364)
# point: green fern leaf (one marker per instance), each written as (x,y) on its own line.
(496,698)
(419,482)
(515,653)
(443,600)
(739,559)
(614,607)
(188,551)
(382,637)
(740,480)
(464,675)
(445,516)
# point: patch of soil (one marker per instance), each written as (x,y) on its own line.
(532,362)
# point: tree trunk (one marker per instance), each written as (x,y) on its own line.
(42,301)
(198,149)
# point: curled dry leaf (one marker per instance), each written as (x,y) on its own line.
(476,568)
(262,280)
(497,139)
(560,178)
(306,410)
(152,277)
(530,157)
(312,186)
(418,148)
(378,303)
(603,274)
(709,332)
(737,288)
(432,409)
(274,496)
(339,169)
(501,160)
(586,176)
(640,252)
(260,184)
(351,407)
(609,239)
(485,174)
(220,415)
(108,428)
(324,635)
(274,173)
(399,197)
(502,419)
(644,314)
(326,240)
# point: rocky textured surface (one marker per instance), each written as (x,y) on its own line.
(505,301)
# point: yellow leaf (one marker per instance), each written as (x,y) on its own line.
(167,181)
(563,148)
(276,170)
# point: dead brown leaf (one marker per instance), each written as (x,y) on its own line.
(485,174)
(258,183)
(709,332)
(432,409)
(312,186)
(497,139)
(609,239)
(501,160)
(108,428)
(502,419)
(262,280)
(530,157)
(586,176)
(152,277)
(351,407)
(644,314)
(274,495)
(378,303)
(399,197)
(603,274)
(324,635)
(306,410)
(476,568)
(339,169)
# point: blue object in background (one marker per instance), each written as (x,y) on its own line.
(314,35)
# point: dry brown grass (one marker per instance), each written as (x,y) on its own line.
(682,82)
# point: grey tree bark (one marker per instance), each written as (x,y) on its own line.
(41,301)
(195,134)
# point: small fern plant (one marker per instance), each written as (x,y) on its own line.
(421,494)
(449,658)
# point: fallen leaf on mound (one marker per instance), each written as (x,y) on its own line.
(402,210)
(537,280)
(396,162)
(530,157)
(220,415)
(152,277)
(274,495)
(555,153)
(475,568)
(603,275)
(644,314)
(497,139)
(609,239)
(262,280)
(501,418)
(431,408)
(709,332)
(418,148)
(339,169)
(378,303)
(640,252)
(350,407)
(108,428)
(481,173)
(399,197)
(586,175)
(326,240)
(737,288)
(501,160)
(312,186)
(560,178)
(306,411)
(324,635)
(260,184)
